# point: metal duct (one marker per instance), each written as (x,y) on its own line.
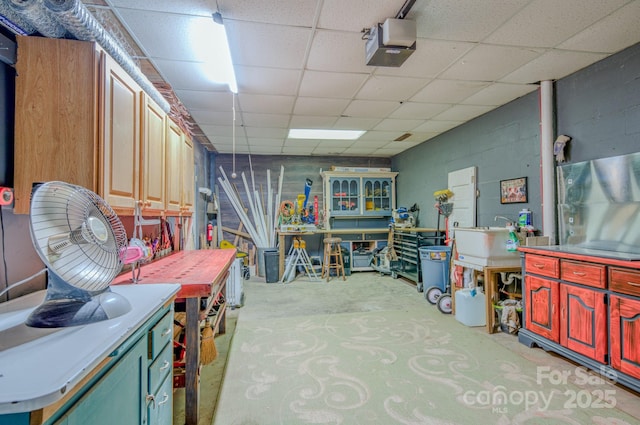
(72,17)
(41,18)
(14,21)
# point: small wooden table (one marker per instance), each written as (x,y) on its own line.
(202,274)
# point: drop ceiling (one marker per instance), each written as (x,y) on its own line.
(301,64)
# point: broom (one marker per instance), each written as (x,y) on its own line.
(208,350)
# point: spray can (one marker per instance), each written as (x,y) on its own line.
(524,218)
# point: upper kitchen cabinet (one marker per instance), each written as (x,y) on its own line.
(56,115)
(82,119)
(121,138)
(180,170)
(152,157)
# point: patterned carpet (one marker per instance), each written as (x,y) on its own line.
(372,351)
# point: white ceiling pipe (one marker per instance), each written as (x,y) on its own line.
(547,165)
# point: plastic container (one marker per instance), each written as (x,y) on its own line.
(524,217)
(470,307)
(435,266)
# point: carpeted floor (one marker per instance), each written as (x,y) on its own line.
(371,350)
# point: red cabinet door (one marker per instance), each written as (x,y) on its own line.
(625,335)
(583,321)
(541,310)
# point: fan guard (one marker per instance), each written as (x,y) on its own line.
(83,243)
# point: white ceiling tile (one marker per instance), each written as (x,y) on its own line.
(417,110)
(462,20)
(611,34)
(263,142)
(390,88)
(266,80)
(320,106)
(299,13)
(546,23)
(337,51)
(490,63)
(265,104)
(418,137)
(256,133)
(270,45)
(206,116)
(214,101)
(448,91)
(433,126)
(354,15)
(276,121)
(185,75)
(295,150)
(305,121)
(397,125)
(356,123)
(372,143)
(370,108)
(463,112)
(499,93)
(331,84)
(551,66)
(184,7)
(429,60)
(357,150)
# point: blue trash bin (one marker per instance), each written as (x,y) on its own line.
(435,262)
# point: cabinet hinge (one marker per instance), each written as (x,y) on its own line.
(606,299)
(606,359)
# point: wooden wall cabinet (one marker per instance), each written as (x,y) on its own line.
(152,178)
(80,118)
(585,308)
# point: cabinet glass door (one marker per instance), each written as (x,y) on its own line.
(377,196)
(345,196)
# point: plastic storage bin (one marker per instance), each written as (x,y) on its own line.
(435,266)
(470,307)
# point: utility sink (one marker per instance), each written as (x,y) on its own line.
(485,246)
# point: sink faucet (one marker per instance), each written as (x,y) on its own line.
(508,220)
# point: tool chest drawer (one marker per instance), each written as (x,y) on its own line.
(584,273)
(545,266)
(624,281)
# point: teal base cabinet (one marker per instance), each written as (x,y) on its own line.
(130,383)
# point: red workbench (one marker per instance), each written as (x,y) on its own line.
(202,274)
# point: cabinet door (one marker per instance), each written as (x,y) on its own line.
(583,321)
(345,196)
(188,181)
(541,307)
(121,138)
(152,157)
(173,169)
(377,196)
(119,397)
(625,335)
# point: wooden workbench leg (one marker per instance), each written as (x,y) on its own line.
(192,358)
(280,256)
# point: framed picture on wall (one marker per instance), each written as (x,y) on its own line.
(513,191)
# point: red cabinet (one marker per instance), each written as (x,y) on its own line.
(584,308)
(541,307)
(583,321)
(625,335)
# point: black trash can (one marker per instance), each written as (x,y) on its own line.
(271,265)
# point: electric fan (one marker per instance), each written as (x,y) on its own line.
(83,244)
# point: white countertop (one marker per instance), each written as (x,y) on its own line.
(38,366)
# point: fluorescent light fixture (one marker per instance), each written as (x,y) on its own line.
(211,46)
(310,133)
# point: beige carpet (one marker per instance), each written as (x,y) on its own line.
(372,351)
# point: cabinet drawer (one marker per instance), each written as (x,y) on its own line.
(160,408)
(584,273)
(624,281)
(545,266)
(160,368)
(160,335)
